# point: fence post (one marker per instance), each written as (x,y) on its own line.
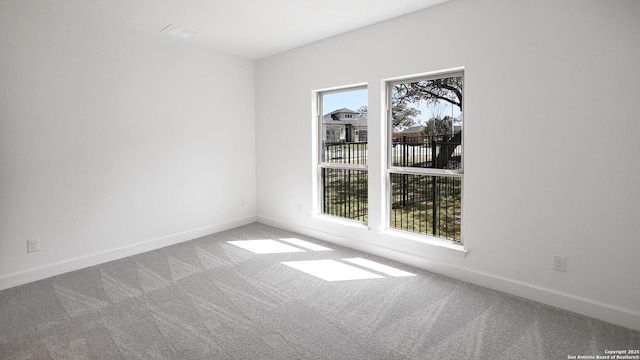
(434,149)
(434,203)
(405,177)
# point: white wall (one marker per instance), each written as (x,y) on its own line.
(114,142)
(551,143)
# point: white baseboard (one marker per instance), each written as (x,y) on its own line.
(577,304)
(61,267)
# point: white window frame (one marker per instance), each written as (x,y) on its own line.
(390,169)
(319,164)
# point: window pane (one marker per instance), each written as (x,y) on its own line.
(344,127)
(427,123)
(428,205)
(345,193)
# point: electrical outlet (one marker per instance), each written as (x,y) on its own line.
(299,209)
(241,202)
(559,263)
(33,245)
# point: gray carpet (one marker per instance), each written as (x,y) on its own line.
(211,299)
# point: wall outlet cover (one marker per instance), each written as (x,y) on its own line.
(560,263)
(33,245)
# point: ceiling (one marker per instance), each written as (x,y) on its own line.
(249,28)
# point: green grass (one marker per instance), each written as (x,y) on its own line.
(418,218)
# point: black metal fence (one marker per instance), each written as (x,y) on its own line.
(424,204)
(427,151)
(345,193)
(354,153)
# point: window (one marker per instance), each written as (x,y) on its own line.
(425,155)
(343,151)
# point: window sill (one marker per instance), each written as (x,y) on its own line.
(453,248)
(342,221)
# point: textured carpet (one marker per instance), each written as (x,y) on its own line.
(212,299)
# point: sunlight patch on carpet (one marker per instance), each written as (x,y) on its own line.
(385,269)
(306,244)
(331,270)
(265,246)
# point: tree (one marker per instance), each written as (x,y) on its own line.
(447,89)
(363,111)
(439,126)
(403,115)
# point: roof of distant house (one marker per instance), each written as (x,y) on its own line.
(343,110)
(357,120)
(414,129)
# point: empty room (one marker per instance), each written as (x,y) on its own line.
(362,179)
